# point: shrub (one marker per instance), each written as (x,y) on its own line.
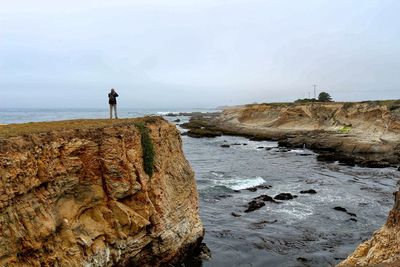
(147,148)
(345,129)
(305,100)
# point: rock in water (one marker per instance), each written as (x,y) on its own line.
(254,205)
(310,191)
(265,198)
(285,196)
(340,209)
(252,189)
(76,194)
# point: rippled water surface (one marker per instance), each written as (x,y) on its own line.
(305,231)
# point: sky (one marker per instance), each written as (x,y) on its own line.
(196,54)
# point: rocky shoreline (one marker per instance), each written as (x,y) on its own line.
(333,142)
(365,134)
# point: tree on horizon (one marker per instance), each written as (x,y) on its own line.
(324,97)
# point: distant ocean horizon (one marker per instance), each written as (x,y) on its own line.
(22,115)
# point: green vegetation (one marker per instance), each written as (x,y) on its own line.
(306,100)
(324,97)
(345,129)
(147,147)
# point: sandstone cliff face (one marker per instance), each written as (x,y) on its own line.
(367,133)
(78,196)
(369,121)
(383,249)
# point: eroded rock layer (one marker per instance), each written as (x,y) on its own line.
(78,196)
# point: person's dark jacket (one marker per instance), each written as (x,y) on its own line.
(112,98)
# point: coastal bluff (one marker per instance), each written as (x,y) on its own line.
(362,133)
(92,193)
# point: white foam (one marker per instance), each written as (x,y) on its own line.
(238,183)
(164,113)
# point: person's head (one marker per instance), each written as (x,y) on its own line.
(112,90)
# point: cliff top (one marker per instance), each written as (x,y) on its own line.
(388,103)
(11,130)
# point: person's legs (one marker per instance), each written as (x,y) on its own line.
(111,111)
(115,111)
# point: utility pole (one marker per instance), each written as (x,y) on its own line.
(315,91)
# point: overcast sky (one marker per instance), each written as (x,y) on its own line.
(190,53)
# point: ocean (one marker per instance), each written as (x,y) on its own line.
(304,231)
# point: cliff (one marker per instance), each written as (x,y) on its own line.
(370,121)
(366,133)
(75,193)
(383,249)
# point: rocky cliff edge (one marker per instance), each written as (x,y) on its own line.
(75,193)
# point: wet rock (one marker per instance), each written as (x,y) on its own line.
(225,145)
(376,164)
(398,168)
(198,256)
(244,144)
(200,133)
(260,147)
(344,210)
(305,154)
(177,120)
(268,148)
(285,196)
(237,191)
(252,189)
(262,186)
(327,157)
(254,205)
(353,219)
(234,214)
(301,259)
(340,209)
(265,198)
(310,191)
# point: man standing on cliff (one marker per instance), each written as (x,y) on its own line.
(112,100)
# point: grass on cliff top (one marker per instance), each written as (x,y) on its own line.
(11,130)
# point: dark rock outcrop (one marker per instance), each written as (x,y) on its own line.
(284,196)
(310,191)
